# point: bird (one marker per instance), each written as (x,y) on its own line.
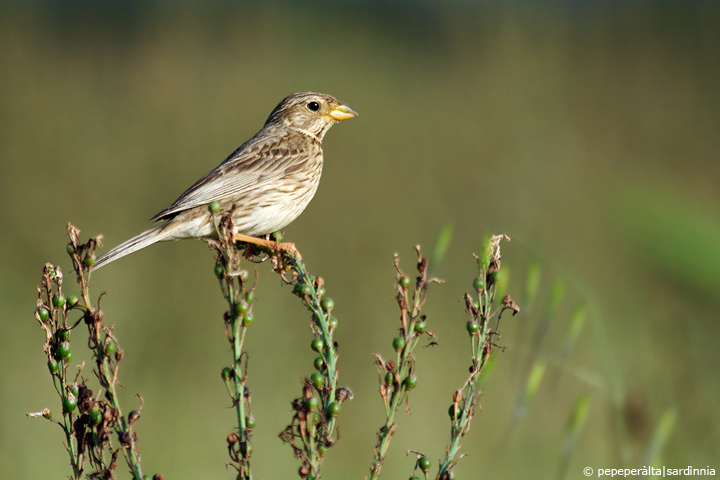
(264,185)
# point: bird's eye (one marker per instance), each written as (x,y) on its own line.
(314,106)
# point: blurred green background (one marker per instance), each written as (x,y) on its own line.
(587,131)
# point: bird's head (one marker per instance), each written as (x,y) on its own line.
(310,112)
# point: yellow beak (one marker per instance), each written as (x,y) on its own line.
(342,112)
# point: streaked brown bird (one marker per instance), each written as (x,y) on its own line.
(266,183)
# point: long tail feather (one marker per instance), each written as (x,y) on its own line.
(134,244)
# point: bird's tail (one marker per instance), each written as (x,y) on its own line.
(134,244)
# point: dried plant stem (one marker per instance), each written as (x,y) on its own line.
(106,358)
(87,421)
(237,319)
(398,378)
(323,326)
(481,310)
(312,430)
(53,318)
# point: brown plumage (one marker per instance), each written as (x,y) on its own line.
(269,180)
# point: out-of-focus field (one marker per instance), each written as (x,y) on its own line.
(587,132)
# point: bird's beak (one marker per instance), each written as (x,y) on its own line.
(342,112)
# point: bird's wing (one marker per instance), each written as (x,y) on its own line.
(256,163)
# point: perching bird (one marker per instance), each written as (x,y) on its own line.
(269,180)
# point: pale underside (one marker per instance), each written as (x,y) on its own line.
(269,182)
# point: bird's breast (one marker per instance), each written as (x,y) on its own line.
(274,205)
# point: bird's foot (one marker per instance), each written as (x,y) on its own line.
(284,247)
(288,247)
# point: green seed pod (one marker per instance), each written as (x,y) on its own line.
(479,284)
(472,327)
(322,450)
(320,292)
(389,378)
(424,463)
(333,410)
(214,207)
(110,348)
(317,380)
(420,327)
(248,319)
(404,282)
(249,297)
(240,308)
(319,363)
(410,382)
(219,270)
(311,404)
(72,301)
(453,412)
(317,345)
(69,404)
(74,390)
(63,335)
(43,313)
(96,415)
(327,304)
(89,262)
(63,351)
(332,323)
(226,373)
(302,289)
(249,422)
(58,301)
(53,366)
(398,343)
(70,249)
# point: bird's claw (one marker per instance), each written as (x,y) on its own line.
(289,248)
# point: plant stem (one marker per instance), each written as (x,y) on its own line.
(238,317)
(404,367)
(481,340)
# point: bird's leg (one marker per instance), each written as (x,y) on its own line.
(279,247)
